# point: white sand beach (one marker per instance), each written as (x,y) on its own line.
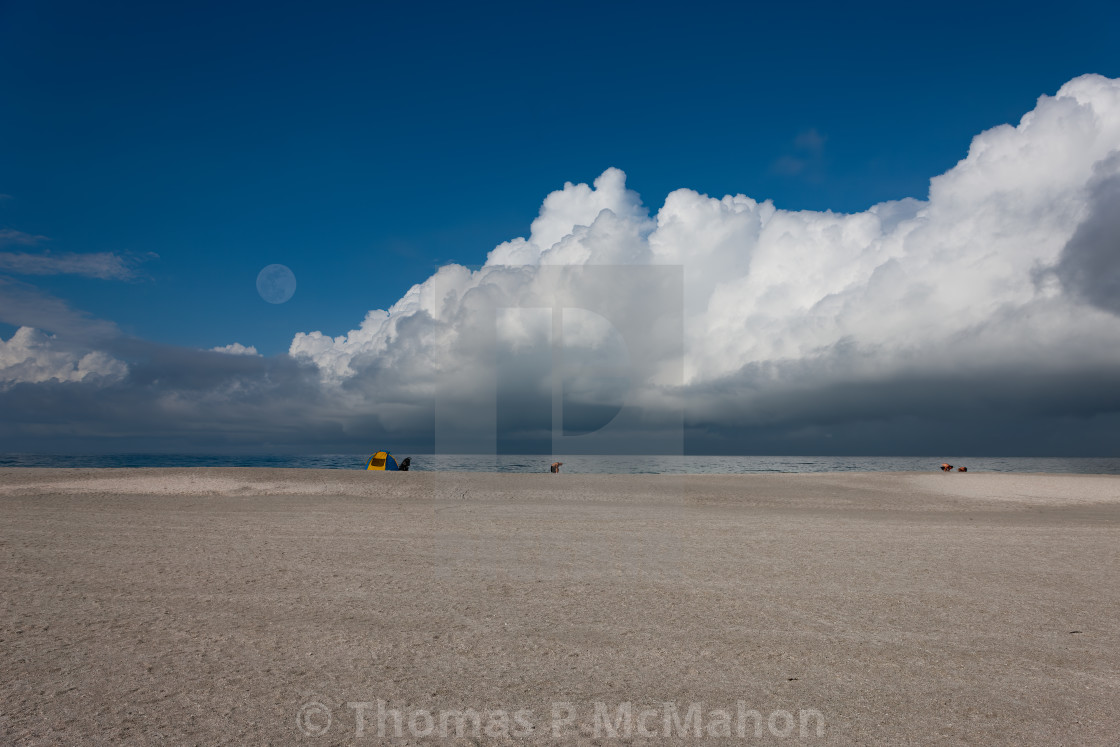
(268,606)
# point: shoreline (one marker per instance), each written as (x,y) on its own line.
(933,488)
(587,464)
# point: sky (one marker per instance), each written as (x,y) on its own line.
(862,229)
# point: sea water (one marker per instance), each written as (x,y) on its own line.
(602,464)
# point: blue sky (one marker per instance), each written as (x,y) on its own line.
(366,145)
(363,145)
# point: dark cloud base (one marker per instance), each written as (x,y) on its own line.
(250,405)
(984,320)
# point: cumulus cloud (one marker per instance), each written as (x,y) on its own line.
(177,399)
(1001,282)
(31,356)
(1088,265)
(985,312)
(236,348)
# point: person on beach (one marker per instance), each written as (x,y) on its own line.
(555,467)
(962,469)
(946,467)
(404,465)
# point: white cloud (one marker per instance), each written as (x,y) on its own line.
(31,356)
(236,348)
(994,297)
(567,216)
(101,265)
(776,301)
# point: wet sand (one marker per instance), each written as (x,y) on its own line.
(203,606)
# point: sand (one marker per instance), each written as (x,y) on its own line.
(205,606)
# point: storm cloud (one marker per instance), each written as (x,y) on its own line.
(1088,265)
(983,317)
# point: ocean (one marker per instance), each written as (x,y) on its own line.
(604,464)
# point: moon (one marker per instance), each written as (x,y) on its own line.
(276,283)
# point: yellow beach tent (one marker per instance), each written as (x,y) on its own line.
(382,461)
